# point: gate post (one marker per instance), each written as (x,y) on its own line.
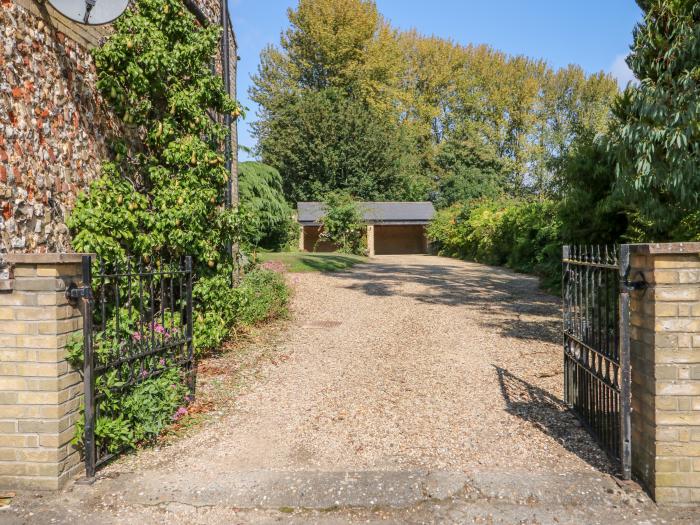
(665,355)
(40,394)
(625,372)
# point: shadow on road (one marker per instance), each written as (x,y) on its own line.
(550,415)
(513,303)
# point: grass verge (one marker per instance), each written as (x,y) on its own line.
(312,262)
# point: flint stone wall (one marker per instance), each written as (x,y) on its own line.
(54,125)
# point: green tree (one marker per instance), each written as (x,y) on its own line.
(656,137)
(331,44)
(342,223)
(324,141)
(328,105)
(469,169)
(592,210)
(260,188)
(424,95)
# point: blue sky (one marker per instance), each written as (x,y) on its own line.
(595,34)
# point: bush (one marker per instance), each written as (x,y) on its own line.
(342,223)
(138,415)
(524,235)
(263,295)
(260,296)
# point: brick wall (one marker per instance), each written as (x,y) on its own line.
(54,126)
(40,394)
(665,338)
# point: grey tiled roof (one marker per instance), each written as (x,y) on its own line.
(375,212)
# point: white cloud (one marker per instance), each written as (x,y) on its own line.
(621,71)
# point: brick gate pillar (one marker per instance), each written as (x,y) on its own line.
(665,353)
(40,394)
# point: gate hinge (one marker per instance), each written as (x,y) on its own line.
(75,292)
(640,284)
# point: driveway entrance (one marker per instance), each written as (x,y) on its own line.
(414,389)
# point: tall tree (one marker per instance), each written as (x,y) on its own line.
(430,94)
(327,98)
(325,141)
(656,137)
(262,196)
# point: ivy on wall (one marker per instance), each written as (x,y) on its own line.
(162,193)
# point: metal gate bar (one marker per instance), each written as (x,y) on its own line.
(597,378)
(137,323)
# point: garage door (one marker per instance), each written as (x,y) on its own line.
(311,241)
(396,240)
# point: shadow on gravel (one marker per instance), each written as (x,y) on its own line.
(512,303)
(550,415)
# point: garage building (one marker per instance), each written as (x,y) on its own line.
(393,228)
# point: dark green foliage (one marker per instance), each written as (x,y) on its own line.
(592,211)
(342,223)
(656,136)
(260,190)
(325,140)
(521,234)
(260,295)
(470,169)
(137,416)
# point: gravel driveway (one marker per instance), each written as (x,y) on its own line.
(410,389)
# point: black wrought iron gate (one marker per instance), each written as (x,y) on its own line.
(137,325)
(597,379)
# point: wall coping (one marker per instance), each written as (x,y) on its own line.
(666,248)
(43,258)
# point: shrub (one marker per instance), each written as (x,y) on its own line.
(261,295)
(342,223)
(521,234)
(138,415)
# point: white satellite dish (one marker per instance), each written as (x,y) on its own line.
(90,12)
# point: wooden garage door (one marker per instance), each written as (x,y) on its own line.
(396,240)
(311,244)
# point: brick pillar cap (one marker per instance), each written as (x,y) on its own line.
(666,248)
(46,258)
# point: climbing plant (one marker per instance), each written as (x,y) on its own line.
(162,192)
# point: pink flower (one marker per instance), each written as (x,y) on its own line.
(161,362)
(274,266)
(182,411)
(136,336)
(157,328)
(144,374)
